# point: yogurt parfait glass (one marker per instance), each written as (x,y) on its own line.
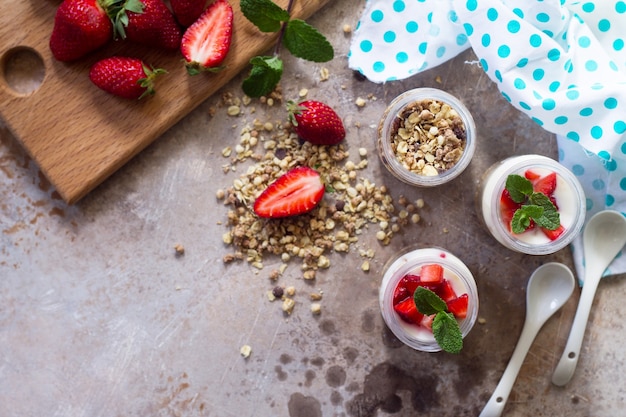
(426,137)
(568,197)
(410,262)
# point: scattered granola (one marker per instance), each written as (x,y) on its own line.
(179,249)
(245,351)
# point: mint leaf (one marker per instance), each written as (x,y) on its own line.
(264,14)
(304,41)
(523,216)
(447,332)
(427,302)
(264,76)
(518,187)
(550,218)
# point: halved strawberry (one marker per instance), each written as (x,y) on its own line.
(297,191)
(408,311)
(553,234)
(545,184)
(431,274)
(458,306)
(207,41)
(445,291)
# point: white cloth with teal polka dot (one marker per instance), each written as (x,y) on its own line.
(561,62)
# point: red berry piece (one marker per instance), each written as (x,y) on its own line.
(316,122)
(124,77)
(458,306)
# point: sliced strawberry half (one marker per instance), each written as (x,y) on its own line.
(297,191)
(545,184)
(206,42)
(408,311)
(458,306)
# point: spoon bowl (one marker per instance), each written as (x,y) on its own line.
(549,287)
(603,238)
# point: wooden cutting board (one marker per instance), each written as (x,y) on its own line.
(78,134)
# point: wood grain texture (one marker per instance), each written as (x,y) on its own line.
(79,135)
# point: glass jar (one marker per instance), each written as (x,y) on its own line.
(411,261)
(432,149)
(568,195)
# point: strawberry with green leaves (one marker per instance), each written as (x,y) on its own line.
(206,42)
(151,23)
(82,26)
(124,77)
(297,191)
(316,122)
(187,11)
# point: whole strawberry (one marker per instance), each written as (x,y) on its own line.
(206,43)
(81,26)
(316,122)
(187,11)
(124,77)
(151,24)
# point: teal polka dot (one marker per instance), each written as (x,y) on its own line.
(578,170)
(543,17)
(378,66)
(402,57)
(461,39)
(522,63)
(485,66)
(411,26)
(422,47)
(618,44)
(623,148)
(622,184)
(485,40)
(506,97)
(613,66)
(584,42)
(604,155)
(471,5)
(609,200)
(610,103)
(538,74)
(604,25)
(519,84)
(554,54)
(549,33)
(366,46)
(389,36)
(620,7)
(587,111)
(591,65)
(588,7)
(513,26)
(589,203)
(492,14)
(610,165)
(568,66)
(525,106)
(598,184)
(452,16)
(398,6)
(519,13)
(596,132)
(469,29)
(597,86)
(377,16)
(548,104)
(561,120)
(554,86)
(429,17)
(535,40)
(441,51)
(538,121)
(573,136)
(572,94)
(619,127)
(504,51)
(537,95)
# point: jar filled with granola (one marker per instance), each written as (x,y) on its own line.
(426,137)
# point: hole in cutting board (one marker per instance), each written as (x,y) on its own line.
(23,70)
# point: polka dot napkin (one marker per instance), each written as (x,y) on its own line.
(561,62)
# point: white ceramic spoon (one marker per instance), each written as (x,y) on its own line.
(603,238)
(549,287)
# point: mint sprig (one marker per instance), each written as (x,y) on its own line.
(301,40)
(535,206)
(446,329)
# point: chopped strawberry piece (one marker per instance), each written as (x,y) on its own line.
(531,175)
(431,274)
(546,184)
(458,306)
(406,287)
(445,291)
(507,208)
(297,191)
(553,234)
(408,311)
(427,321)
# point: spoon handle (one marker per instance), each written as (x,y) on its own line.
(569,359)
(496,403)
